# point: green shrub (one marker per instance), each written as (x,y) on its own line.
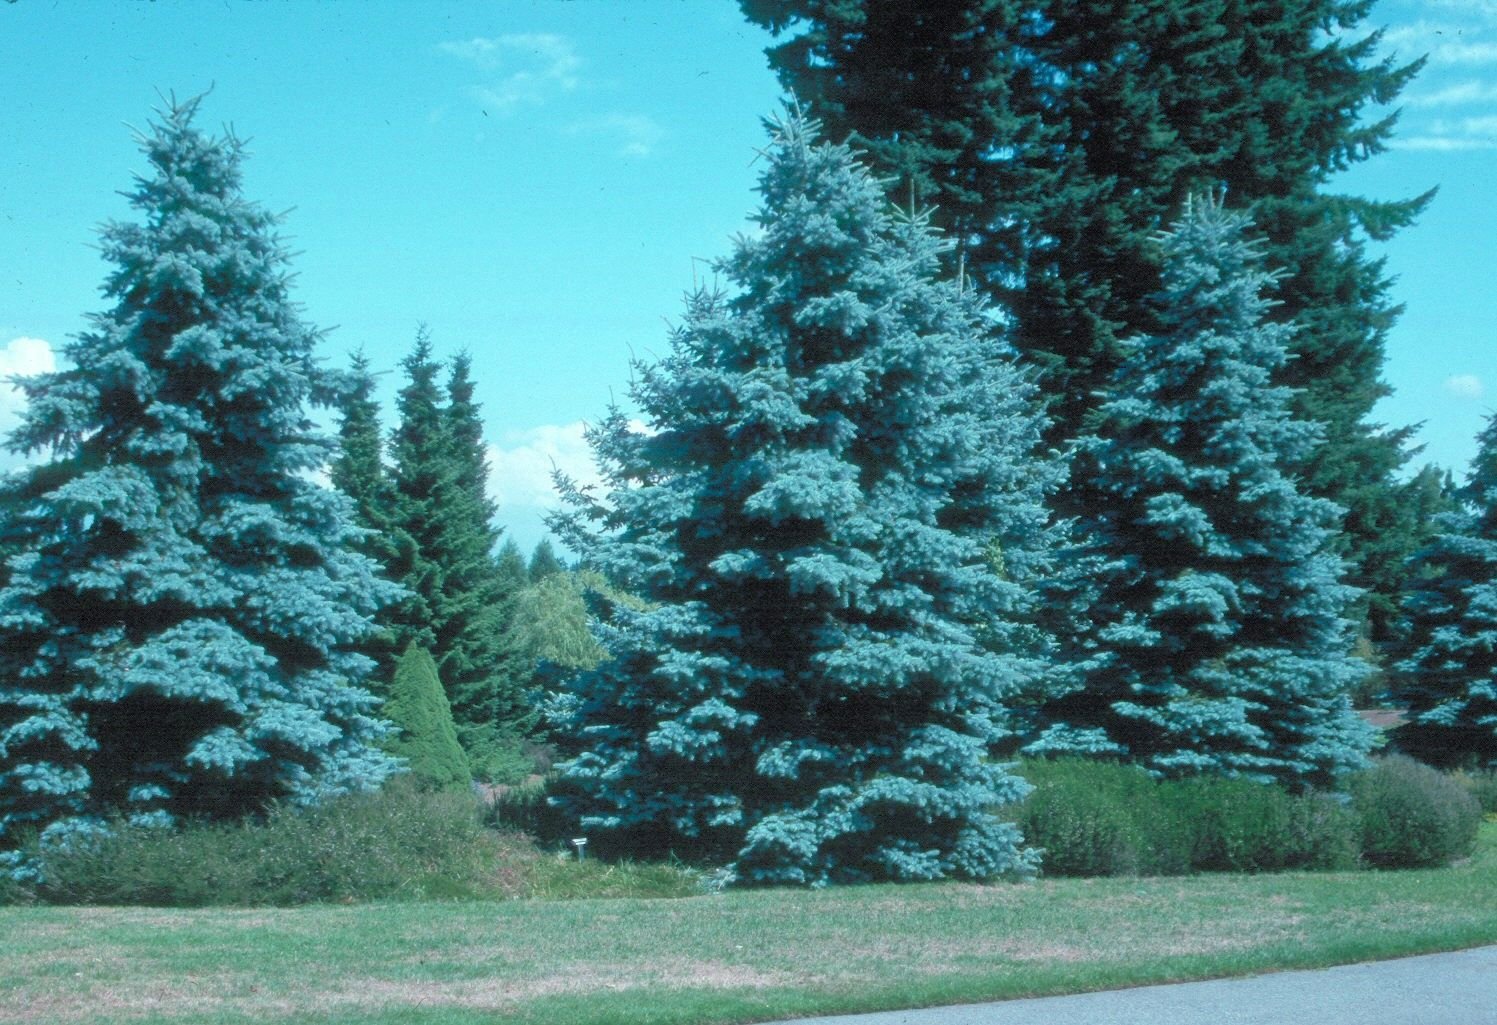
(1411,815)
(12,891)
(426,737)
(1480,784)
(398,842)
(1097,819)
(520,807)
(1239,825)
(494,755)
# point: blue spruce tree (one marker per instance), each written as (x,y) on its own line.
(179,621)
(1447,675)
(1217,635)
(831,522)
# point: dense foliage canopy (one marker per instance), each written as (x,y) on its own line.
(1216,621)
(182,602)
(833,518)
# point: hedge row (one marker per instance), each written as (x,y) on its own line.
(1101,819)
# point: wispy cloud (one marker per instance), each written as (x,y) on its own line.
(520,69)
(1444,43)
(1460,94)
(1440,144)
(1478,7)
(636,134)
(1464,386)
(1452,135)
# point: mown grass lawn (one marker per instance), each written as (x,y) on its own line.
(737,957)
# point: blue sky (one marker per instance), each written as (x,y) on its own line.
(539,182)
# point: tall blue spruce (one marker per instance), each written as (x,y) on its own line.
(1447,675)
(1218,635)
(179,622)
(831,522)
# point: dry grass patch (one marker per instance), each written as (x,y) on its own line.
(728,958)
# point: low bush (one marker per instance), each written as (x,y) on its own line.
(1480,784)
(12,891)
(1238,825)
(520,807)
(1097,819)
(398,842)
(1413,816)
(1102,819)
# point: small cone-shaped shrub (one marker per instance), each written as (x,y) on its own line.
(427,738)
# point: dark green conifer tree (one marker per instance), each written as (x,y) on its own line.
(514,576)
(180,615)
(543,562)
(812,684)
(1056,137)
(359,472)
(1447,675)
(1217,632)
(424,732)
(423,487)
(359,469)
(439,541)
(483,669)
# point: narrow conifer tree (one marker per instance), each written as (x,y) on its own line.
(1218,635)
(424,733)
(359,472)
(438,540)
(483,669)
(424,486)
(1447,675)
(513,574)
(812,684)
(178,626)
(543,562)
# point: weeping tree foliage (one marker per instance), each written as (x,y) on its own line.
(181,611)
(1057,136)
(1447,673)
(1217,624)
(551,622)
(819,670)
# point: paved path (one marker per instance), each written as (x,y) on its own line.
(1437,989)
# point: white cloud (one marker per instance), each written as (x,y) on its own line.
(1456,95)
(1457,51)
(1445,43)
(1486,125)
(1477,7)
(1464,386)
(22,357)
(520,468)
(1441,144)
(637,134)
(1452,135)
(525,68)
